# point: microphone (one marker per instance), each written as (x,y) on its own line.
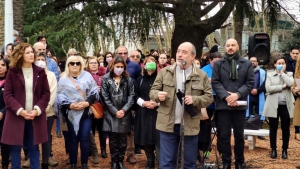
(183,63)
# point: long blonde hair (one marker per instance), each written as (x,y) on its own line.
(70,59)
(297,71)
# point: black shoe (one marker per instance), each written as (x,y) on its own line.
(150,165)
(58,134)
(239,166)
(84,166)
(137,151)
(273,153)
(73,166)
(103,153)
(44,165)
(226,166)
(284,154)
(114,165)
(261,137)
(121,166)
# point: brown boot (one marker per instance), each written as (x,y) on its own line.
(93,149)
(131,159)
(26,164)
(52,162)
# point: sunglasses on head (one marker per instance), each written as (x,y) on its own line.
(75,63)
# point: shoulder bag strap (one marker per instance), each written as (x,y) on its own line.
(77,87)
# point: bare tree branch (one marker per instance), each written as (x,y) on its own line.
(208,8)
(219,18)
(289,14)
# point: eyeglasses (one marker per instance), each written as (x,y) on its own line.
(93,63)
(135,56)
(123,53)
(75,63)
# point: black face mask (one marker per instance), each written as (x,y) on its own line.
(156,57)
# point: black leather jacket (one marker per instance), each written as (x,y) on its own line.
(111,105)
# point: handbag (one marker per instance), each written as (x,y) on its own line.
(96,107)
(97,110)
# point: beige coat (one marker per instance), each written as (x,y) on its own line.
(274,85)
(296,119)
(53,90)
(197,85)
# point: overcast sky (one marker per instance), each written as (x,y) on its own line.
(292,6)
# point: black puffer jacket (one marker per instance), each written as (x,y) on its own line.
(2,106)
(111,105)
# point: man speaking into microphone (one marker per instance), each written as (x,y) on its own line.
(198,94)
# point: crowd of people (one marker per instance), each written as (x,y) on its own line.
(146,102)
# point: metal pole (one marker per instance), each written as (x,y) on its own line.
(182,118)
(8,23)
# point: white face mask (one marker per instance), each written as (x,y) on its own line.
(101,64)
(108,60)
(198,66)
(41,63)
(118,71)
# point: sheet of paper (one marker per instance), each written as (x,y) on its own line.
(298,83)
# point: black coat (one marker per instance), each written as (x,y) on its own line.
(145,132)
(2,106)
(111,105)
(222,84)
(290,65)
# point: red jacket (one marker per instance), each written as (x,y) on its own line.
(98,76)
(159,67)
(15,97)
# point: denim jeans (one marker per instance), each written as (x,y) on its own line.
(82,137)
(34,153)
(57,123)
(169,145)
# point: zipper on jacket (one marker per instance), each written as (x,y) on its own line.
(35,83)
(21,77)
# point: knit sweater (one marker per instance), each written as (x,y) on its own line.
(28,77)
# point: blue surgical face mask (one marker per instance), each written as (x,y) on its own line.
(279,67)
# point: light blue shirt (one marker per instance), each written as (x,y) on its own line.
(52,66)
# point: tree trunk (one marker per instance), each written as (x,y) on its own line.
(188,34)
(18,9)
(189,27)
(239,24)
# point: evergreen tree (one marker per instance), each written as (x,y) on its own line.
(292,41)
